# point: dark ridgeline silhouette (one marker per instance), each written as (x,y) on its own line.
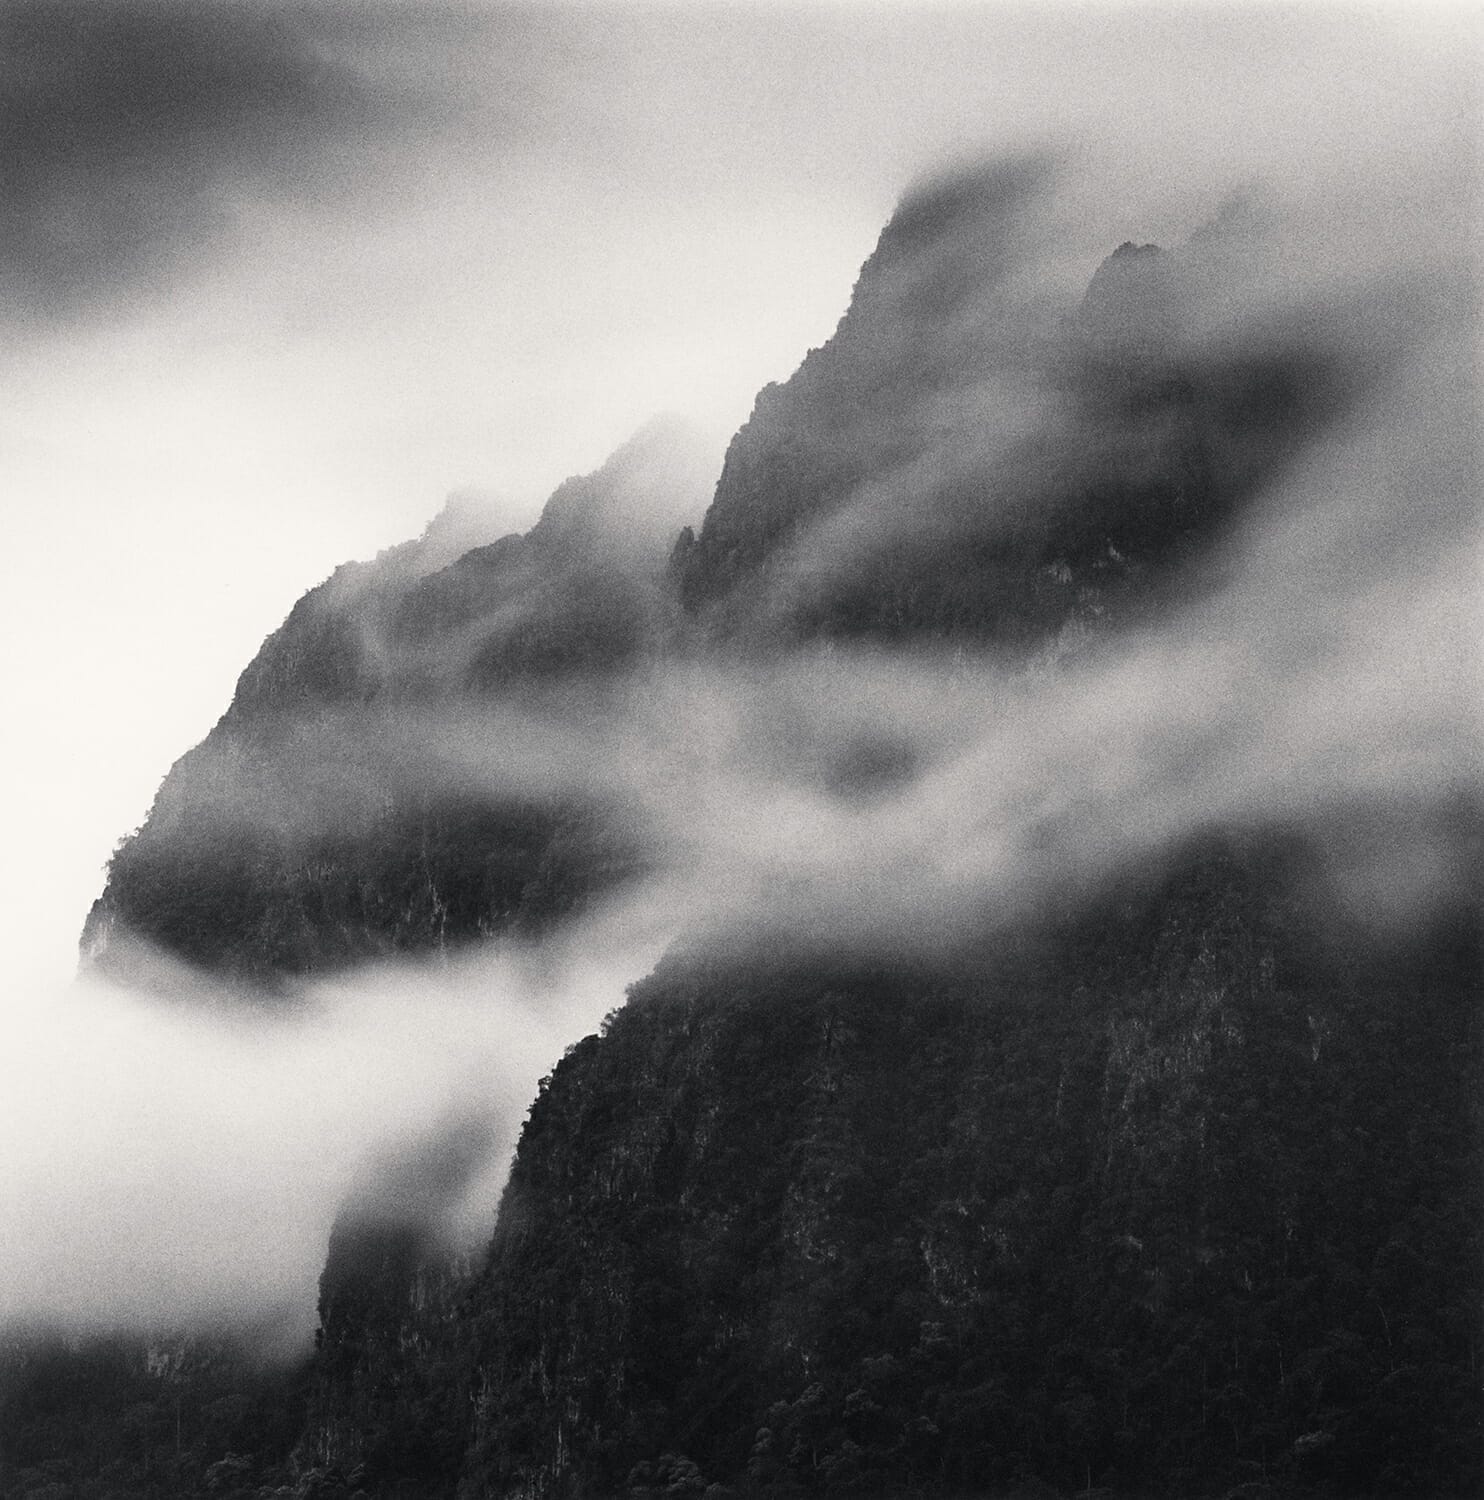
(1167,1186)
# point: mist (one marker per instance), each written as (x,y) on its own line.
(1313,659)
(178,1168)
(237,353)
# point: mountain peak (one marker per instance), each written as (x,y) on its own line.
(1129,300)
(468,519)
(637,501)
(947,205)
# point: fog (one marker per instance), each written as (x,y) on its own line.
(180,1167)
(277,279)
(1315,661)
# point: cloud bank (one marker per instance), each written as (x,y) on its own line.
(178,1168)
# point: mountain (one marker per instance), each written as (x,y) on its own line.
(1163,1202)
(1095,1110)
(298,838)
(964,461)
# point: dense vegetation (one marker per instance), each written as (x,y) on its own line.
(103,1419)
(1161,1203)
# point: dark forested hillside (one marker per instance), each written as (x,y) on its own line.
(1157,1202)
(1147,1162)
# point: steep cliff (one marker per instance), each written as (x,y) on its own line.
(1166,1184)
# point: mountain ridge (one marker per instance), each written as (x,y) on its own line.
(1154,1182)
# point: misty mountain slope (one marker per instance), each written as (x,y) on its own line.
(1048,752)
(1157,1198)
(1114,1187)
(304,835)
(968,457)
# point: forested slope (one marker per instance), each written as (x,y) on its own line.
(1158,1201)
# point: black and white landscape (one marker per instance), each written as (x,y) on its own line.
(870,884)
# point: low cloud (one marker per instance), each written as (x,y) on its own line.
(171,1167)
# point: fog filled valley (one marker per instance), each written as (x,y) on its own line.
(915,937)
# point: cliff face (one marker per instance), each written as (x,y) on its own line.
(1159,1177)
(1115,1196)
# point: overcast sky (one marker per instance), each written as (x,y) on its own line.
(277,279)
